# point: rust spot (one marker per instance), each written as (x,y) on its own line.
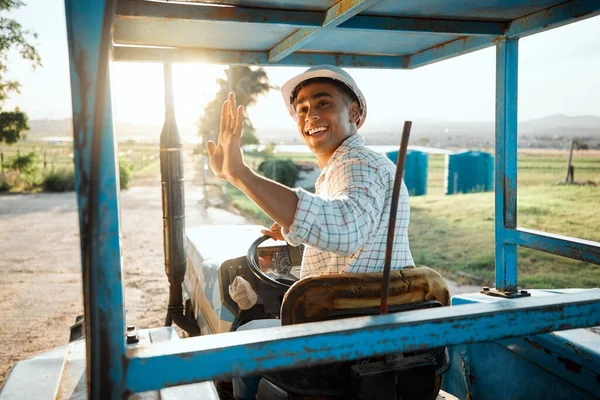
(536,345)
(344,6)
(471,379)
(579,351)
(569,365)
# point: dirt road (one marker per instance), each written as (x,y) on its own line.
(40,279)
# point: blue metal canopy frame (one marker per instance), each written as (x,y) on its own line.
(95,28)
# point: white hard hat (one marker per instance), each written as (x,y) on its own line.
(323,71)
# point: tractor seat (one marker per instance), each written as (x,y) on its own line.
(397,376)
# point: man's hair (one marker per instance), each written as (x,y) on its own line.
(340,85)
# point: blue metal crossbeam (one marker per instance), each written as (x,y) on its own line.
(303,19)
(261,58)
(578,249)
(190,12)
(334,16)
(253,352)
(553,17)
(425,25)
(448,50)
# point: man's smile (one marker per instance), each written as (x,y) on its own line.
(316,131)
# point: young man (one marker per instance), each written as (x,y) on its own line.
(344,224)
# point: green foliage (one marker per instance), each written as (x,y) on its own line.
(59,181)
(12,123)
(283,171)
(63,180)
(22,173)
(27,163)
(455,233)
(125,172)
(4,183)
(12,35)
(248,84)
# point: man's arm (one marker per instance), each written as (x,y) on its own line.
(278,201)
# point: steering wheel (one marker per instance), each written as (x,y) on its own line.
(253,263)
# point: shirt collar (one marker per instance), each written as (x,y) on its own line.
(353,141)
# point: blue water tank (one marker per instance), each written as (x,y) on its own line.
(415,171)
(468,172)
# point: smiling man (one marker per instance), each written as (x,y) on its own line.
(344,224)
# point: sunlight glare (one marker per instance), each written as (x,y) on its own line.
(138,91)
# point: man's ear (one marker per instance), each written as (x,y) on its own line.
(354,112)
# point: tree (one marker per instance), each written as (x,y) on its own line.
(12,35)
(283,171)
(248,84)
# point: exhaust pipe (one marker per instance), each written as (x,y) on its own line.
(173,207)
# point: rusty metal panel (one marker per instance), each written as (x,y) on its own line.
(150,10)
(199,34)
(253,352)
(361,27)
(562,364)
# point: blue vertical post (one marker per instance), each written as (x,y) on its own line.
(97,186)
(506,161)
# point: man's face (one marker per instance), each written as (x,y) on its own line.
(326,117)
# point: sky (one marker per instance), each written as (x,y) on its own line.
(559,73)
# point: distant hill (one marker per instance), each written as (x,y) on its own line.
(554,131)
(64,127)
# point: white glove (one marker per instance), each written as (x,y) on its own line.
(242,293)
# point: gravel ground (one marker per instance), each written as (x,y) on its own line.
(40,279)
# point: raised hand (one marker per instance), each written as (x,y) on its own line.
(225,157)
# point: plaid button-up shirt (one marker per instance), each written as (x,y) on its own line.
(344,225)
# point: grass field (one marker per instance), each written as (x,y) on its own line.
(455,234)
(144,158)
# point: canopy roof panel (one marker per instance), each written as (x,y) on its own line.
(351,33)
